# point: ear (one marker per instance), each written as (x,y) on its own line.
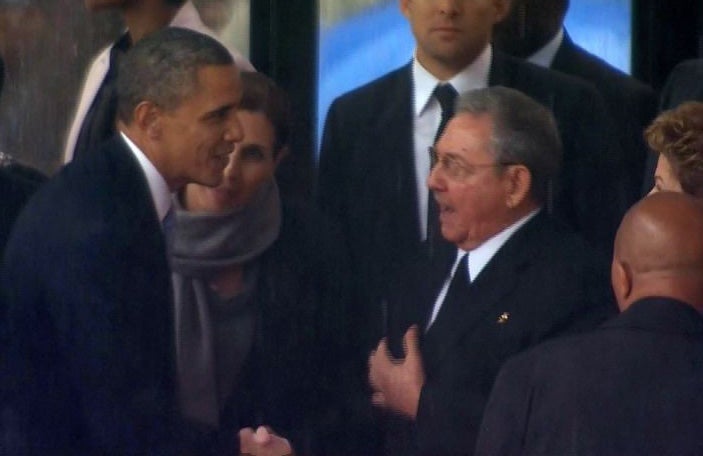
(501,8)
(517,180)
(621,280)
(405,7)
(148,118)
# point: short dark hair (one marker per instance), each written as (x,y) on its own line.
(524,132)
(261,94)
(163,68)
(175,2)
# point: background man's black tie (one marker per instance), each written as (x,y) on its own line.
(437,246)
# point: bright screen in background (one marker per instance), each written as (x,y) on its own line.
(362,39)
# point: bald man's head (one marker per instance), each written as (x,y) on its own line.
(659,250)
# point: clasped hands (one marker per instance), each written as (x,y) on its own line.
(262,442)
(397,383)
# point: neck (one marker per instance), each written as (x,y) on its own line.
(446,69)
(687,288)
(145,17)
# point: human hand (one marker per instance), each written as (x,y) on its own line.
(263,442)
(397,383)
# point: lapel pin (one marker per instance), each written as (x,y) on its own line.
(503,318)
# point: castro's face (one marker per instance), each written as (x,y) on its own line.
(198,136)
(471,189)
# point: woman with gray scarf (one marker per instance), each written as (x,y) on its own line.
(261,294)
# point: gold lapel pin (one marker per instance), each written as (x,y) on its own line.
(503,318)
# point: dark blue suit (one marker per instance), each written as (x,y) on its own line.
(543,282)
(89,356)
(632,387)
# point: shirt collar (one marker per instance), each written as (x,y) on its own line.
(160,193)
(545,56)
(473,76)
(481,255)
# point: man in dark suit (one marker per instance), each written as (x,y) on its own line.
(374,162)
(519,276)
(534,31)
(88,334)
(634,386)
(683,84)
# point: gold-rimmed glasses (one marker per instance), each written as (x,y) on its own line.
(457,169)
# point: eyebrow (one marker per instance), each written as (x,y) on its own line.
(219,111)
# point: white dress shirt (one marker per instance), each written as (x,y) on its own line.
(478,259)
(427,114)
(160,193)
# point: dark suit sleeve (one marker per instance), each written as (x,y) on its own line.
(502,430)
(78,380)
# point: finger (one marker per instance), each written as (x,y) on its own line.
(262,436)
(411,342)
(246,432)
(246,440)
(378,399)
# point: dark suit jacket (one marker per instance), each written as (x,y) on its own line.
(295,378)
(89,362)
(543,279)
(367,177)
(632,104)
(683,84)
(17,183)
(632,387)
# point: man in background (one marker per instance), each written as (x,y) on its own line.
(534,30)
(94,119)
(634,385)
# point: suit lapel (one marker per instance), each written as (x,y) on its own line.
(498,280)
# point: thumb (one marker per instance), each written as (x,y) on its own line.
(411,342)
(262,435)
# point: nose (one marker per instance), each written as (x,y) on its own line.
(435,181)
(449,7)
(232,169)
(233,130)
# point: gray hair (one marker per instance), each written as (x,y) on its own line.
(163,68)
(524,133)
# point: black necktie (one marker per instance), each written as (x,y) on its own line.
(436,244)
(446,95)
(456,293)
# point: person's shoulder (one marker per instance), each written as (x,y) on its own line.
(377,90)
(605,76)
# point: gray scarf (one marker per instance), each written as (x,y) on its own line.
(213,336)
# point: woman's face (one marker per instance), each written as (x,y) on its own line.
(664,178)
(250,165)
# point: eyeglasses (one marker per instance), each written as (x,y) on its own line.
(455,169)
